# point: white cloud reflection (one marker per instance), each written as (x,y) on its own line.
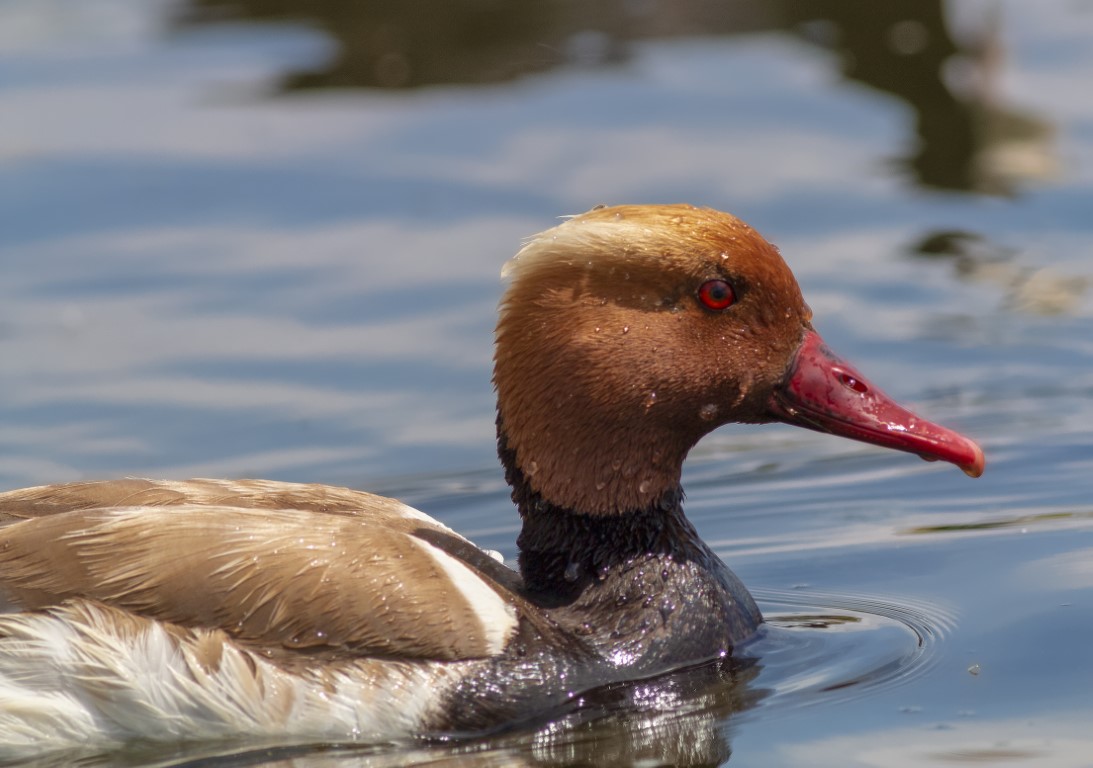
(1068,570)
(1045,741)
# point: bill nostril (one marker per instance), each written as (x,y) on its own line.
(851,382)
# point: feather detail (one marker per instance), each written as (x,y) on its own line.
(85,673)
(352,578)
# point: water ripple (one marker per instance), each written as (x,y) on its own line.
(816,645)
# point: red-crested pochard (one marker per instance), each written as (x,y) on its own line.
(142,609)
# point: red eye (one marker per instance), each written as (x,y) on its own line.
(717,295)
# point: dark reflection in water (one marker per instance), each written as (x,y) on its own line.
(681,719)
(1021,521)
(966,139)
(1037,291)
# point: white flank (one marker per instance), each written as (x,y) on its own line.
(84,674)
(497,617)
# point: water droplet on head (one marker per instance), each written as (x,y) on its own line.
(643,487)
(626,329)
(572,571)
(650,400)
(708,412)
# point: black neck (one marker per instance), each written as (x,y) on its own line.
(642,579)
(561,551)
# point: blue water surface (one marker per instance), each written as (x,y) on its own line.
(262,239)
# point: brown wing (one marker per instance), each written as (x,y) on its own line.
(272,564)
(245,494)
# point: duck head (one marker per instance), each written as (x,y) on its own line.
(628,333)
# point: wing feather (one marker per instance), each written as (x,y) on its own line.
(274,565)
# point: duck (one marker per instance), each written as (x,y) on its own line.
(166,610)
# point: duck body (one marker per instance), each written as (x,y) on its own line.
(139,609)
(212,608)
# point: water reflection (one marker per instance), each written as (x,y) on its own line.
(678,720)
(1047,741)
(1043,291)
(966,137)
